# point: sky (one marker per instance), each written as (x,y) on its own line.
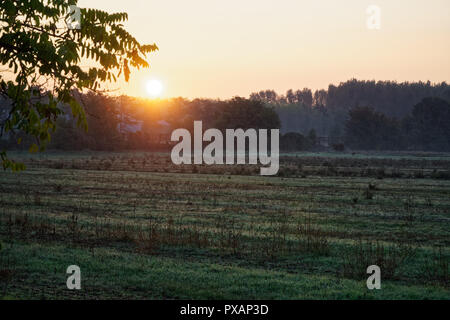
(226,48)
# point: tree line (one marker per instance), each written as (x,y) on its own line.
(326,110)
(123,122)
(367,115)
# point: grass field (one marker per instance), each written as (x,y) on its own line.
(140,227)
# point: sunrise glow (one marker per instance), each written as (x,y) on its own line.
(154,88)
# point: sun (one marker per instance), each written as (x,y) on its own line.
(154,88)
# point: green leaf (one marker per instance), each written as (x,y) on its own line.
(33,148)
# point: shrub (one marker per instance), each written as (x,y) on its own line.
(358,257)
(340,147)
(437,268)
(312,238)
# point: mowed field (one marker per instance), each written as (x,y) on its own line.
(140,227)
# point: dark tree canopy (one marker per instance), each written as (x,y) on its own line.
(371,130)
(429,125)
(244,114)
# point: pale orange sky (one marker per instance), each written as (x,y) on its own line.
(212,48)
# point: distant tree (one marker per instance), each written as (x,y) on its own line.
(429,125)
(290,97)
(103,118)
(367,129)
(45,66)
(243,113)
(305,96)
(267,96)
(312,136)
